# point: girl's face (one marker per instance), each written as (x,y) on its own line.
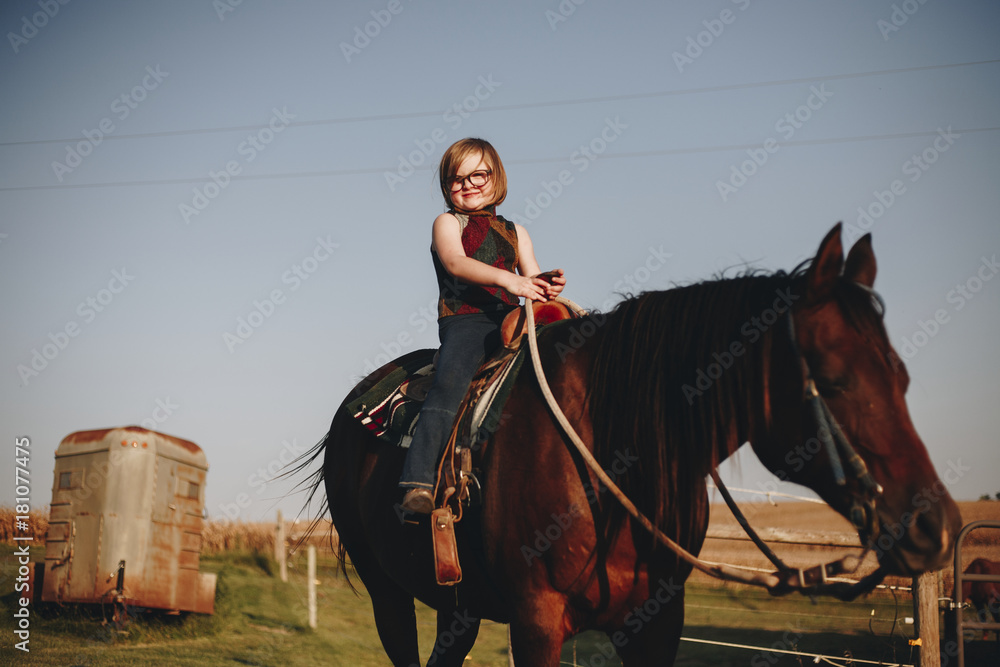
(464,195)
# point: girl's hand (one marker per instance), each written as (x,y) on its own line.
(539,287)
(531,288)
(554,282)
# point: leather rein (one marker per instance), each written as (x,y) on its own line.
(815,580)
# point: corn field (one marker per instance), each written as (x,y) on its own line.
(222,536)
(37,525)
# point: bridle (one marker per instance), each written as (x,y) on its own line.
(862,513)
(811,581)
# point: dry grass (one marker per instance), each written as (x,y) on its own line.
(984,537)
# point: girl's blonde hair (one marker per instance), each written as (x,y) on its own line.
(456,154)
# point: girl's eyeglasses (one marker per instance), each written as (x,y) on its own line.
(476,179)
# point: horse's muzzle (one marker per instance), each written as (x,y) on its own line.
(918,541)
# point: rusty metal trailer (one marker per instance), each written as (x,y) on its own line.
(126,522)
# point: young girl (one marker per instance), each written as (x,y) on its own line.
(483,264)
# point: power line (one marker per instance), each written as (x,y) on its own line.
(514,107)
(545,160)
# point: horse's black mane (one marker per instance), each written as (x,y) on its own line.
(666,385)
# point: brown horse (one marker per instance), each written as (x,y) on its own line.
(661,389)
(984,595)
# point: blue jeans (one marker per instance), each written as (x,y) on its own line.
(466,340)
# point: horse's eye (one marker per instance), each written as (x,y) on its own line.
(831,387)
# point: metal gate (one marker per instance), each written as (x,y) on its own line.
(960,577)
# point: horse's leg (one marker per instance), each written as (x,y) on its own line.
(351,476)
(395,618)
(537,636)
(657,639)
(456,633)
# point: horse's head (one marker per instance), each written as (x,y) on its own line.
(893,496)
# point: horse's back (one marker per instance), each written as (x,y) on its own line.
(981,593)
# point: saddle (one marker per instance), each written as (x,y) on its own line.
(388,402)
(389,409)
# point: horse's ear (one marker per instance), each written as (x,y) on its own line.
(860,266)
(826,266)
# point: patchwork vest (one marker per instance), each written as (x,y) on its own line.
(492,240)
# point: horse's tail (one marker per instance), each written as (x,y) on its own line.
(311,485)
(315,480)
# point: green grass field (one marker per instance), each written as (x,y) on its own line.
(261,621)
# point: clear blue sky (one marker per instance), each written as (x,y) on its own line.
(166,169)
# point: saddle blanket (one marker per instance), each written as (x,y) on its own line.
(390,409)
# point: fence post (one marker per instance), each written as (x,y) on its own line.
(312,585)
(925,603)
(279,548)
